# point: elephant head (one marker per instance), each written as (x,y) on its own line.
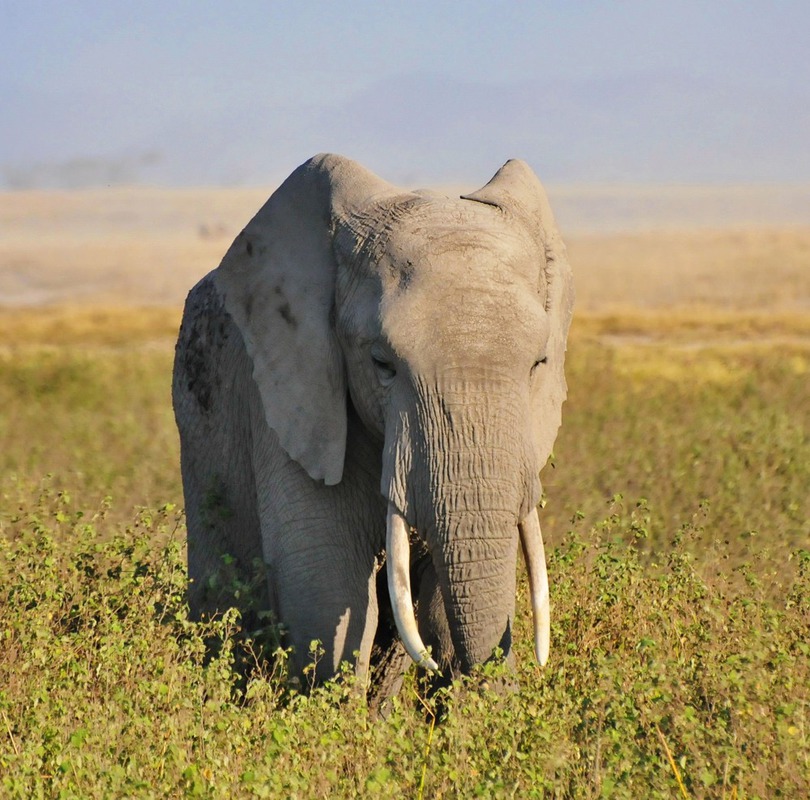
(441,325)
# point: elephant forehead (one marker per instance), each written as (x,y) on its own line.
(456,319)
(412,236)
(461,247)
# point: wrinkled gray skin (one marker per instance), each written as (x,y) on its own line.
(362,345)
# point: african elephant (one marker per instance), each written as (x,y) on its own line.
(374,377)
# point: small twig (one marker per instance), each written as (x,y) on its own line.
(420,792)
(10,733)
(672,763)
(595,768)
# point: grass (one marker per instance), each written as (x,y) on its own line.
(722,426)
(694,327)
(751,269)
(94,327)
(677,522)
(100,423)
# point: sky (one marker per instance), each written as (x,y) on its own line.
(240,93)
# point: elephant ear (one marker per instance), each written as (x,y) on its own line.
(516,190)
(278,284)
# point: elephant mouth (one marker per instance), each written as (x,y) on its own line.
(399,585)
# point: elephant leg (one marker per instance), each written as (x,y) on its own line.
(320,598)
(221,560)
(389,659)
(321,546)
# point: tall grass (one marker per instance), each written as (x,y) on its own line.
(677,517)
(99,422)
(721,426)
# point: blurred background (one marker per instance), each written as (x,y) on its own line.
(170,123)
(199,93)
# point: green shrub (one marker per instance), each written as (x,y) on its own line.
(678,524)
(660,683)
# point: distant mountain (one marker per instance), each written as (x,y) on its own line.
(426,128)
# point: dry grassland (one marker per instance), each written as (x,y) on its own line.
(689,306)
(755,270)
(115,247)
(677,529)
(146,247)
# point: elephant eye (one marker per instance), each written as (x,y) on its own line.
(385,370)
(543,360)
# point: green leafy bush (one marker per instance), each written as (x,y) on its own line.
(660,682)
(678,528)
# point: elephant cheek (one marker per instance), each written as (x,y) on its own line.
(367,399)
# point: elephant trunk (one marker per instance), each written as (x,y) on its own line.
(399,582)
(475,559)
(470,492)
(477,581)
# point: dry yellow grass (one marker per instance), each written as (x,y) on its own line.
(684,329)
(688,437)
(758,269)
(133,246)
(116,252)
(96,326)
(689,325)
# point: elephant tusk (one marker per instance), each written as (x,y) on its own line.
(531,538)
(398,568)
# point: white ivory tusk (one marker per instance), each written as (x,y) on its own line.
(398,568)
(531,538)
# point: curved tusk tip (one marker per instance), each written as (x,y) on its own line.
(426,662)
(541,649)
(542,645)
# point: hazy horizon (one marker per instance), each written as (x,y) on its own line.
(107,93)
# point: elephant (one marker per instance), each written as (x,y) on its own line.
(366,390)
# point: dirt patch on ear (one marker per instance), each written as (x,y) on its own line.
(203,334)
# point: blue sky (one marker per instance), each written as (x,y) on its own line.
(199,93)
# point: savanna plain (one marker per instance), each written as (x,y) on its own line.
(676,521)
